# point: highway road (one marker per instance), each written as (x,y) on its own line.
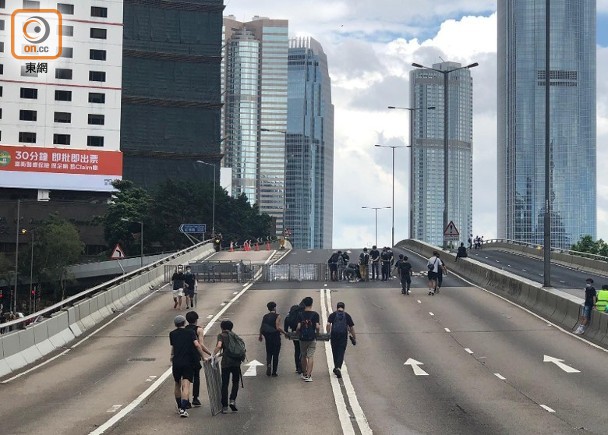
(462,362)
(564,278)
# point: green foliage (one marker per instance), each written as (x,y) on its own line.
(174,203)
(57,245)
(587,244)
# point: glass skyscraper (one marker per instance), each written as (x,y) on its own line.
(427,162)
(309,147)
(521,120)
(254,121)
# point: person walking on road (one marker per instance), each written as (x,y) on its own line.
(271,331)
(192,319)
(189,287)
(404,269)
(441,270)
(363,265)
(433,270)
(590,301)
(339,325)
(385,257)
(291,325)
(186,351)
(308,327)
(230,365)
(178,287)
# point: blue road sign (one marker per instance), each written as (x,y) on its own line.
(193,228)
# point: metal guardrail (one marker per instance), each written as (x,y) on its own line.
(47,312)
(217,271)
(294,272)
(553,249)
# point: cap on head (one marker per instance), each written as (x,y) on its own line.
(340,305)
(589,281)
(179,320)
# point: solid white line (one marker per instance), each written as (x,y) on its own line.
(143,396)
(447,329)
(468,350)
(42,364)
(546,408)
(343,415)
(499,376)
(360,418)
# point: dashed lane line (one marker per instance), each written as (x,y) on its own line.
(499,376)
(546,408)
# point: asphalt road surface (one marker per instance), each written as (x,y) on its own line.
(476,364)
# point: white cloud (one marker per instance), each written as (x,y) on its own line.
(370,46)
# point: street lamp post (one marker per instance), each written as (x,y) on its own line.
(213,206)
(376,210)
(32,296)
(445,133)
(17,232)
(141,239)
(393,207)
(411,146)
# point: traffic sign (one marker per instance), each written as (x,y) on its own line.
(117,253)
(193,228)
(450,232)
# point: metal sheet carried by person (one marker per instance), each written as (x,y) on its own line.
(213,378)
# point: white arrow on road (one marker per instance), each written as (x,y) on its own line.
(251,371)
(416,367)
(560,364)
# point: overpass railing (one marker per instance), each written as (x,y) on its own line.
(539,247)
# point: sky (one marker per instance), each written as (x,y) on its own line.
(370,45)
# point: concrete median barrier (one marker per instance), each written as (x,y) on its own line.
(12,351)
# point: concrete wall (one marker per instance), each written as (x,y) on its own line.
(559,307)
(23,347)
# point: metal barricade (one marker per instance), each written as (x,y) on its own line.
(295,272)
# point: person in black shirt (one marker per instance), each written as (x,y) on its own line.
(185,352)
(374,255)
(339,325)
(291,325)
(271,331)
(309,325)
(333,265)
(230,367)
(192,319)
(385,257)
(178,287)
(462,252)
(404,268)
(590,300)
(189,287)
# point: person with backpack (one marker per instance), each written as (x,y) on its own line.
(189,287)
(233,354)
(185,352)
(271,331)
(404,269)
(177,280)
(291,325)
(363,264)
(433,266)
(339,325)
(308,327)
(192,319)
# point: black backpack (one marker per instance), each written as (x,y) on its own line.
(339,325)
(292,318)
(364,258)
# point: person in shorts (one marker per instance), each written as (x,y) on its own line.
(185,352)
(189,287)
(309,325)
(433,266)
(590,301)
(178,287)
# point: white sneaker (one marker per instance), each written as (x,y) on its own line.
(303,376)
(308,379)
(183,413)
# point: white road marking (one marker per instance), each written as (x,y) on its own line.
(36,367)
(343,414)
(252,368)
(469,351)
(419,301)
(222,304)
(560,364)
(499,376)
(151,378)
(234,293)
(508,265)
(447,329)
(546,408)
(143,396)
(210,316)
(114,408)
(431,313)
(415,367)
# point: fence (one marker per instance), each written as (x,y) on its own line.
(294,272)
(217,271)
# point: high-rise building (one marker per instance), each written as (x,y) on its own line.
(309,147)
(60,97)
(254,84)
(521,120)
(171,103)
(427,148)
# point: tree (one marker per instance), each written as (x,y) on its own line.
(587,244)
(57,246)
(132,204)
